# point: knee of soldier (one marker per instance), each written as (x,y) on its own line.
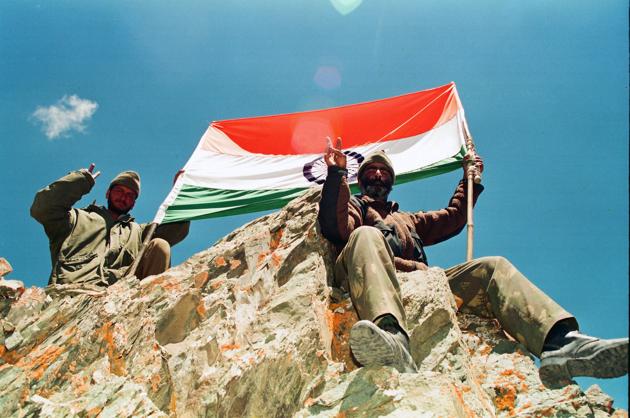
(159,245)
(365,232)
(495,263)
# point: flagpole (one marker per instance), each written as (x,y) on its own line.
(472,176)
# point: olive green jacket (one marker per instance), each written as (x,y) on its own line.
(88,245)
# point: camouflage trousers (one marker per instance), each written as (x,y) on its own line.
(488,285)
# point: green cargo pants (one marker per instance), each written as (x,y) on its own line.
(366,269)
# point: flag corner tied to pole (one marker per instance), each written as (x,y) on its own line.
(260,163)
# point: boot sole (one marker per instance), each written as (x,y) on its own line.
(369,347)
(609,362)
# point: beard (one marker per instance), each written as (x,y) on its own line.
(117,209)
(376,189)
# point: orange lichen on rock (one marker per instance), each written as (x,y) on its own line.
(201,279)
(524,407)
(201,309)
(7,356)
(234,263)
(340,320)
(161,281)
(116,358)
(485,350)
(228,347)
(79,385)
(215,284)
(462,403)
(94,412)
(155,380)
(276,260)
(220,261)
(262,257)
(172,405)
(512,372)
(458,301)
(505,398)
(276,236)
(25,394)
(41,362)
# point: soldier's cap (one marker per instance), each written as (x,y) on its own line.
(377,157)
(129,179)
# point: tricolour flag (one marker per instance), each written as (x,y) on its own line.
(260,163)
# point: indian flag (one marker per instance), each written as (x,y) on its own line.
(260,163)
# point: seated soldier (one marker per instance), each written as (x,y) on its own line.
(97,245)
(378,239)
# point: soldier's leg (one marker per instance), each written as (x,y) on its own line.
(365,267)
(493,284)
(534,319)
(156,258)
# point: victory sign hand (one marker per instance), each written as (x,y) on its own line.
(334,156)
(92,173)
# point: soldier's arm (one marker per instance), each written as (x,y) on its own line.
(173,233)
(439,225)
(52,206)
(337,216)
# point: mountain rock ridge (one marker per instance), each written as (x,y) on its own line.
(250,327)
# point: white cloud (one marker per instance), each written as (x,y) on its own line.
(70,113)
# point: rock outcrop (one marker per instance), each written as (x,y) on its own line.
(250,327)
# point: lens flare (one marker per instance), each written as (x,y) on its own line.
(309,135)
(345,7)
(327,77)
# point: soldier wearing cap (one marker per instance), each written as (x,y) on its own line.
(376,239)
(96,245)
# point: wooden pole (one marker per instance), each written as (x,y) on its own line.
(149,235)
(472,176)
(470,225)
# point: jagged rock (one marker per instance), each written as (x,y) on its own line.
(11,289)
(250,327)
(5,267)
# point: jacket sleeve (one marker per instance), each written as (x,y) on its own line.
(439,225)
(337,216)
(52,206)
(173,233)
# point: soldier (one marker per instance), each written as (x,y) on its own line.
(96,245)
(378,239)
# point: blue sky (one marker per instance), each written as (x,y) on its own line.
(135,84)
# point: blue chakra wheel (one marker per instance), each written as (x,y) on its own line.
(316,170)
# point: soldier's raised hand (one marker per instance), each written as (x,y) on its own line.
(334,156)
(474,164)
(91,171)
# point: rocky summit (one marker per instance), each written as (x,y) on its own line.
(251,328)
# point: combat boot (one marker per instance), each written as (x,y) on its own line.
(582,355)
(373,346)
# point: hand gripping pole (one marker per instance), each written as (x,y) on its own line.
(472,176)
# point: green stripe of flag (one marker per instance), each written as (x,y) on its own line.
(194,202)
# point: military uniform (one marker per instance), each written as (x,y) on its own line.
(88,245)
(367,264)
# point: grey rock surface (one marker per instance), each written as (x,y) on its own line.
(250,327)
